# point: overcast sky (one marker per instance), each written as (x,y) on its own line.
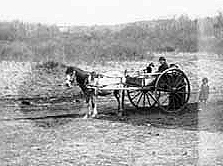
(90,12)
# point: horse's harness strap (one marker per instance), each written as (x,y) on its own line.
(102,86)
(109,76)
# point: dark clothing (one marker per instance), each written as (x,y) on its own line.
(148,69)
(163,67)
(204,92)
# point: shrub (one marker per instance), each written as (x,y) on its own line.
(49,65)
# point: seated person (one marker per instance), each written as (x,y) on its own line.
(149,68)
(163,64)
(136,81)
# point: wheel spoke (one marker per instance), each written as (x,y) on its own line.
(179,83)
(178,96)
(153,97)
(139,98)
(183,92)
(136,95)
(148,99)
(181,87)
(177,79)
(174,104)
(144,99)
(171,77)
(163,89)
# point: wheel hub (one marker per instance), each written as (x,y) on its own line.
(174,89)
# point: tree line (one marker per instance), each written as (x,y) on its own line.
(132,41)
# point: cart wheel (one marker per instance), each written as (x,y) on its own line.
(172,90)
(141,98)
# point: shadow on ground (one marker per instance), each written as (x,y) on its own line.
(61,111)
(56,111)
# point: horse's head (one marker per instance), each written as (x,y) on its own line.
(80,77)
(70,76)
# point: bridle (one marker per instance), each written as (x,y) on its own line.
(70,79)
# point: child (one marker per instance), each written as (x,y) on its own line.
(149,68)
(204,91)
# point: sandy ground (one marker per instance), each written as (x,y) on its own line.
(40,124)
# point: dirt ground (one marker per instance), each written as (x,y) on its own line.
(55,134)
(43,125)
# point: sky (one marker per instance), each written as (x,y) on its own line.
(103,12)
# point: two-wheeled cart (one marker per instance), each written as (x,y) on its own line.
(169,90)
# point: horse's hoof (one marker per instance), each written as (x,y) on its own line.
(120,114)
(94,116)
(85,117)
(76,101)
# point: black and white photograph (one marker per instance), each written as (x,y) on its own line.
(111,83)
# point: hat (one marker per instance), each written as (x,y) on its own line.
(162,58)
(205,79)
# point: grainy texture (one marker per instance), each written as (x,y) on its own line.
(41,123)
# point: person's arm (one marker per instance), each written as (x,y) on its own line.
(162,68)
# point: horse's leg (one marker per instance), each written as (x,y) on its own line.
(88,101)
(122,96)
(88,112)
(94,105)
(122,101)
(94,94)
(117,96)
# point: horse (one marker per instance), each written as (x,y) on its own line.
(84,80)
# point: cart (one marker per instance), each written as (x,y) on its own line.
(169,90)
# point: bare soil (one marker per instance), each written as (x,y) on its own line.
(41,124)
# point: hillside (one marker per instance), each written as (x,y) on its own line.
(133,41)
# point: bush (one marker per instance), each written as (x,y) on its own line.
(49,65)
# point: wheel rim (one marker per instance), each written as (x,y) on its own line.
(141,98)
(172,90)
